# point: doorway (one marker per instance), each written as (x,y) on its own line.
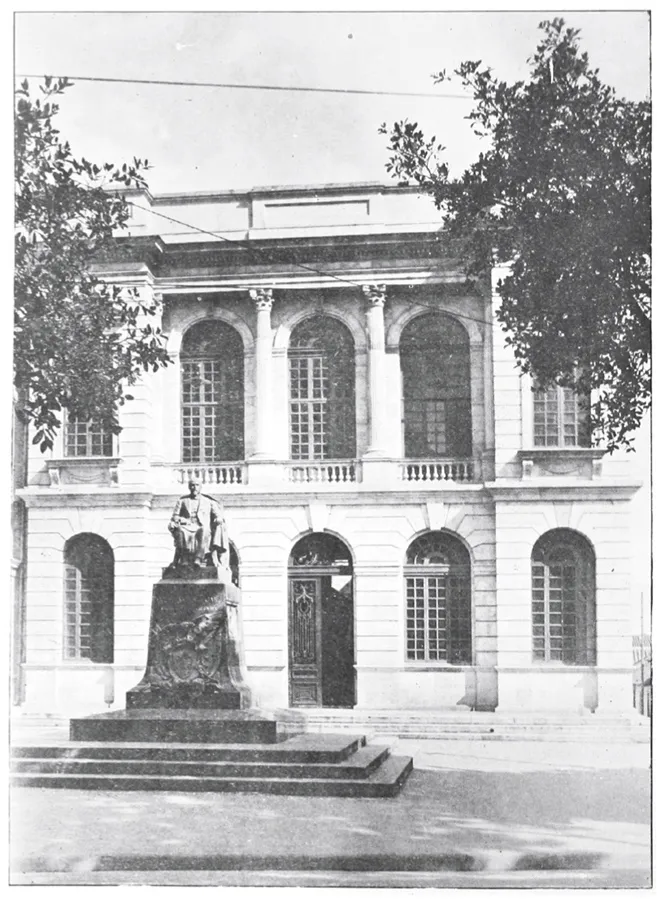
(321,623)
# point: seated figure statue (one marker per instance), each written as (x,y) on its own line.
(198,529)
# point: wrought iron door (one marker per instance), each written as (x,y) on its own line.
(305,641)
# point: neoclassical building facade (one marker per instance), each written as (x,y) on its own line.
(413,525)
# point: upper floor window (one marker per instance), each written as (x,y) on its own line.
(438,598)
(563,603)
(88,599)
(561,418)
(322,390)
(85,437)
(212,363)
(435,361)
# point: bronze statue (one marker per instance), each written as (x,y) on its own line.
(198,529)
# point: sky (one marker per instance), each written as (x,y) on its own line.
(214,138)
(211,139)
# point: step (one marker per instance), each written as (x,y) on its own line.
(301,748)
(503,733)
(385,781)
(359,765)
(181,726)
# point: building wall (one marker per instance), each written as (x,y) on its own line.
(516,496)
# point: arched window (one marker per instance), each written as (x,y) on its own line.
(563,599)
(88,599)
(435,362)
(322,390)
(212,359)
(438,598)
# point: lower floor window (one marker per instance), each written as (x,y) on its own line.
(563,606)
(438,615)
(88,599)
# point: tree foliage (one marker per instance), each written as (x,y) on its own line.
(562,193)
(78,340)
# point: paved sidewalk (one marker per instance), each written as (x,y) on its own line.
(485,811)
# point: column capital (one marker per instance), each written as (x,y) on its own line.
(262,297)
(375,294)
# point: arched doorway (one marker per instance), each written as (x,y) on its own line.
(321,623)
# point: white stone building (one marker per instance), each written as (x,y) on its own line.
(413,526)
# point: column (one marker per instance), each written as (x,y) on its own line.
(263,299)
(378,436)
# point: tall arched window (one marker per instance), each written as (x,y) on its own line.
(212,360)
(563,599)
(438,599)
(322,390)
(88,599)
(435,362)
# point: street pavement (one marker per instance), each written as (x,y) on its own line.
(473,814)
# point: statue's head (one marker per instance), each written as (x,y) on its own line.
(194,487)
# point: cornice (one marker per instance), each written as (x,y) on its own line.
(345,188)
(540,489)
(59,498)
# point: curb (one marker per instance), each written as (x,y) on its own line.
(487,862)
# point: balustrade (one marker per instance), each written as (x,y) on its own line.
(464,470)
(225,474)
(324,472)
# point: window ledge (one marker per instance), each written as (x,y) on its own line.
(414,666)
(561,461)
(109,464)
(567,452)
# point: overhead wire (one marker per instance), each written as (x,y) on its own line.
(250,247)
(257,87)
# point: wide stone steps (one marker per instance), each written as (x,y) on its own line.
(302,748)
(385,780)
(462,726)
(322,765)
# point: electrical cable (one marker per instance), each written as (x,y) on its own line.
(257,87)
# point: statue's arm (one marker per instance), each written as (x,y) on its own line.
(175,518)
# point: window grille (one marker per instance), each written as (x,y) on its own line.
(88,599)
(212,364)
(85,437)
(561,418)
(563,617)
(438,617)
(322,394)
(435,362)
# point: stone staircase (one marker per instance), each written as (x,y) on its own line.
(212,751)
(463,725)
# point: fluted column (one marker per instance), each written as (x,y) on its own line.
(375,295)
(263,299)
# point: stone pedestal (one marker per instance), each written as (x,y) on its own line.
(194,658)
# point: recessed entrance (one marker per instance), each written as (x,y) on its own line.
(321,623)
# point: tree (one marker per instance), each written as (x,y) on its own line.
(78,341)
(562,193)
